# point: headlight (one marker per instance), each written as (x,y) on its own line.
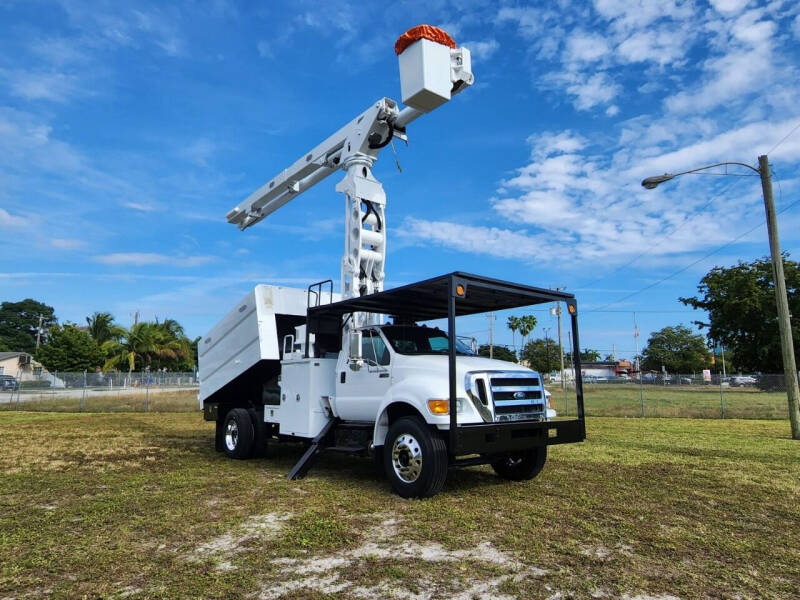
(440,407)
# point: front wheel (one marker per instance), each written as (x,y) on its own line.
(522,465)
(414,459)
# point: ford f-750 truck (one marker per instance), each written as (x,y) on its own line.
(275,369)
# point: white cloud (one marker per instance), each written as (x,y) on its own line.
(200,151)
(265,49)
(586,47)
(9,220)
(548,143)
(67,244)
(482,50)
(140,259)
(628,15)
(597,89)
(729,6)
(796,27)
(140,206)
(612,110)
(54,86)
(492,241)
(662,47)
(60,51)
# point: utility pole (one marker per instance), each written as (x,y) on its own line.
(722,349)
(39,330)
(491,334)
(784,322)
(637,362)
(560,344)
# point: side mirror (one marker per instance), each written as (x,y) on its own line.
(355,345)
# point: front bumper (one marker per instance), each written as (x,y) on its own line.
(499,438)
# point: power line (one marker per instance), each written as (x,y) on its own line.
(651,248)
(690,265)
(786,137)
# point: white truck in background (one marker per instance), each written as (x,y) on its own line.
(329,369)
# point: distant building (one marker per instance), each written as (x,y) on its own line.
(604,369)
(23,367)
(20,365)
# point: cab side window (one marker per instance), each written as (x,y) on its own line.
(367,351)
(381,351)
(373,348)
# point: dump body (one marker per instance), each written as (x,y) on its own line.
(248,338)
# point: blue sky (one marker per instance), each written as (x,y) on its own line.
(127,131)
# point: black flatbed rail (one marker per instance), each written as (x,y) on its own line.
(454,295)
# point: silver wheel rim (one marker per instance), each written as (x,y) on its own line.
(231,435)
(407,458)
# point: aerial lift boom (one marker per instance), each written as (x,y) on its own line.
(431,72)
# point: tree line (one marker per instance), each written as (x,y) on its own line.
(742,321)
(101,344)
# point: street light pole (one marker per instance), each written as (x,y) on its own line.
(781,299)
(784,319)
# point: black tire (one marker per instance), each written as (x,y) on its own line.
(412,442)
(237,434)
(522,465)
(259,432)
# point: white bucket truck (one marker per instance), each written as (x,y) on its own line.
(361,371)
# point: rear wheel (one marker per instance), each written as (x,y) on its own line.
(414,459)
(522,465)
(237,434)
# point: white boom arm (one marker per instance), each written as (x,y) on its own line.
(354,148)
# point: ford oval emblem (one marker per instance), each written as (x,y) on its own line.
(519,395)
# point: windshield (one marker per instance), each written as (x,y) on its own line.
(421,340)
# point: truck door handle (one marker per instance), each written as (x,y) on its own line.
(383,375)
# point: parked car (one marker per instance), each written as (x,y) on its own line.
(8,383)
(742,380)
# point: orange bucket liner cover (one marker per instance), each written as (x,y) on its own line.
(428,32)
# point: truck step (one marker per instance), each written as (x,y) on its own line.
(354,448)
(302,466)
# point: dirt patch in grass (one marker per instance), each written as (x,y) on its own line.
(140,505)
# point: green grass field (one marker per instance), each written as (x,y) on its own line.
(140,506)
(694,401)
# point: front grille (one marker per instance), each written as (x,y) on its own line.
(516,395)
(506,395)
(514,381)
(525,408)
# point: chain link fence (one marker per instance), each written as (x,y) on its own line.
(101,392)
(733,397)
(761,396)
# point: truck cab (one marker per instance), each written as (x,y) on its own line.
(407,364)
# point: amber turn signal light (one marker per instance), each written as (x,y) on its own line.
(439,407)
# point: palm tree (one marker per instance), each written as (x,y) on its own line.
(102,328)
(146,342)
(527,324)
(513,324)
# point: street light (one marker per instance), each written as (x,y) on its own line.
(781,299)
